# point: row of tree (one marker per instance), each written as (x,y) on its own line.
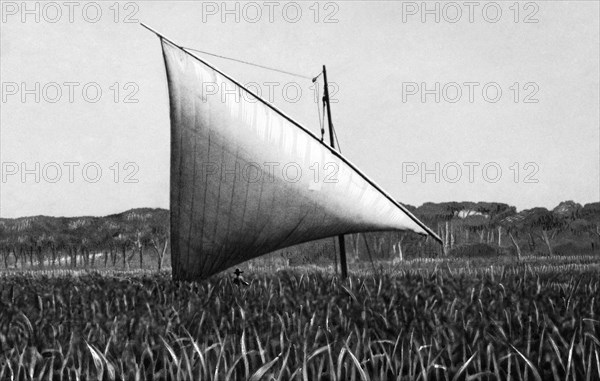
(569,228)
(141,236)
(80,241)
(474,228)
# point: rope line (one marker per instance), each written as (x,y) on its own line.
(249,63)
(321,116)
(323,119)
(313,79)
(336,139)
(323,124)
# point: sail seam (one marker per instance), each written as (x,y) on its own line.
(192,203)
(202,242)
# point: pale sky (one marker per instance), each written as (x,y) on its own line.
(375,53)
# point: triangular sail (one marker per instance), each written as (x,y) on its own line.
(247,180)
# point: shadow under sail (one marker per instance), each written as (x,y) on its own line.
(246,179)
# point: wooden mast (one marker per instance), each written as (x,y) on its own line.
(342,243)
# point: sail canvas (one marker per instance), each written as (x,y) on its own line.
(247,180)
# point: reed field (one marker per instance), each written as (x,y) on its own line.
(415,320)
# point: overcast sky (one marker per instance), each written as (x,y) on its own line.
(541,132)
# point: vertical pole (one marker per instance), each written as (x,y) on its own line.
(342,243)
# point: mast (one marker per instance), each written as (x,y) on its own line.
(341,241)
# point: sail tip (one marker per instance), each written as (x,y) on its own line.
(152,30)
(429,233)
(437,238)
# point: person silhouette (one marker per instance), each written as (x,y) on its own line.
(239,280)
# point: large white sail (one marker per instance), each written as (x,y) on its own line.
(247,180)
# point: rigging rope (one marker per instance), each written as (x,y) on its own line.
(336,139)
(249,63)
(314,80)
(332,126)
(323,125)
(321,118)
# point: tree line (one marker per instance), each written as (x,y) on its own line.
(119,239)
(470,229)
(140,237)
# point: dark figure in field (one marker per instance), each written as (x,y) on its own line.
(239,280)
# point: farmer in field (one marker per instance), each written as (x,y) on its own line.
(239,279)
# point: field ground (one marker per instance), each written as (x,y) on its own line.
(448,319)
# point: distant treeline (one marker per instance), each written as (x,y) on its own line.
(472,229)
(76,241)
(569,228)
(466,228)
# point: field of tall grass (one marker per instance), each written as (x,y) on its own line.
(416,320)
